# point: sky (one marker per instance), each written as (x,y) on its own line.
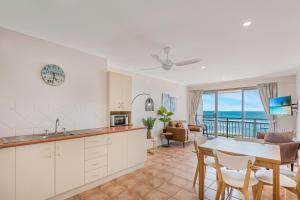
(232,101)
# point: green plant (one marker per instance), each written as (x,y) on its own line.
(149,123)
(165,115)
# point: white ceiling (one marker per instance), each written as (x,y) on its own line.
(126,32)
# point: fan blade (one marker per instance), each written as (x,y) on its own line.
(157,58)
(188,62)
(151,68)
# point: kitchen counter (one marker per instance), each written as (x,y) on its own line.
(74,134)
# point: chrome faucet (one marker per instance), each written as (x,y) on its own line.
(56,125)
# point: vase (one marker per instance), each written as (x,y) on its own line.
(149,134)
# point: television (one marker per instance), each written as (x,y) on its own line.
(281,105)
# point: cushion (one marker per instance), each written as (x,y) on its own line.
(266,176)
(260,135)
(279,137)
(172,124)
(236,178)
(179,125)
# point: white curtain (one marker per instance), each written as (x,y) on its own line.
(195,99)
(267,91)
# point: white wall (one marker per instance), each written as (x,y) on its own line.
(28,105)
(286,87)
(297,83)
(155,87)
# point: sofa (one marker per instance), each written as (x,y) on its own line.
(182,132)
(288,147)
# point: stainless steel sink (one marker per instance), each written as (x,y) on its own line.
(25,138)
(22,138)
(59,135)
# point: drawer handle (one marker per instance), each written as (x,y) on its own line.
(96,152)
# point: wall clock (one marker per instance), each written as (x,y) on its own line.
(53,75)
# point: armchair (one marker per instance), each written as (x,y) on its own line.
(182,133)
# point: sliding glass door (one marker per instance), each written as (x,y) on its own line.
(230,112)
(207,114)
(255,119)
(233,113)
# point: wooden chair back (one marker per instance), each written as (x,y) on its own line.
(198,141)
(297,178)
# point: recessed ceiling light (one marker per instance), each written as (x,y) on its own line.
(247,23)
(203,67)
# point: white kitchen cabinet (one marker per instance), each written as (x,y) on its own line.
(7,173)
(137,144)
(95,158)
(120,92)
(117,152)
(35,171)
(69,164)
(126,85)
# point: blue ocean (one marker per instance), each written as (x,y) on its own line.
(230,123)
(236,114)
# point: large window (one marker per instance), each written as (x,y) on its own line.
(233,113)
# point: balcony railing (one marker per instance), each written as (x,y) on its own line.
(233,127)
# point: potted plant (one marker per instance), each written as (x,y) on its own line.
(149,123)
(165,116)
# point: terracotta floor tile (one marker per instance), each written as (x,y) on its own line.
(141,189)
(94,194)
(77,197)
(126,195)
(113,189)
(129,183)
(164,175)
(191,188)
(168,174)
(155,182)
(181,182)
(169,188)
(156,195)
(142,176)
(185,195)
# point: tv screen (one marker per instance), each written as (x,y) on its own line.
(281,105)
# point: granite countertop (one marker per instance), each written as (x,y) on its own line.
(74,134)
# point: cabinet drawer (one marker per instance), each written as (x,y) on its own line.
(95,174)
(95,152)
(94,141)
(95,163)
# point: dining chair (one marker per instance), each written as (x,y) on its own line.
(208,160)
(234,172)
(265,177)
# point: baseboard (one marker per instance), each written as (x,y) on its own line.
(95,183)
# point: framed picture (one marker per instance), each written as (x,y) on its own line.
(173,104)
(165,100)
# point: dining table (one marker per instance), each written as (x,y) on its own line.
(266,156)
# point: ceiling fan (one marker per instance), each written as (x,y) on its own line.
(167,64)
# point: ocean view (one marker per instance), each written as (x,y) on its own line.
(237,114)
(254,121)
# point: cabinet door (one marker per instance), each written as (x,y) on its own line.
(137,152)
(69,164)
(115,91)
(7,173)
(35,171)
(117,152)
(126,93)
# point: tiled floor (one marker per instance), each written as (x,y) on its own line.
(167,174)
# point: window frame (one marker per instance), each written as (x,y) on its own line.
(216,94)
